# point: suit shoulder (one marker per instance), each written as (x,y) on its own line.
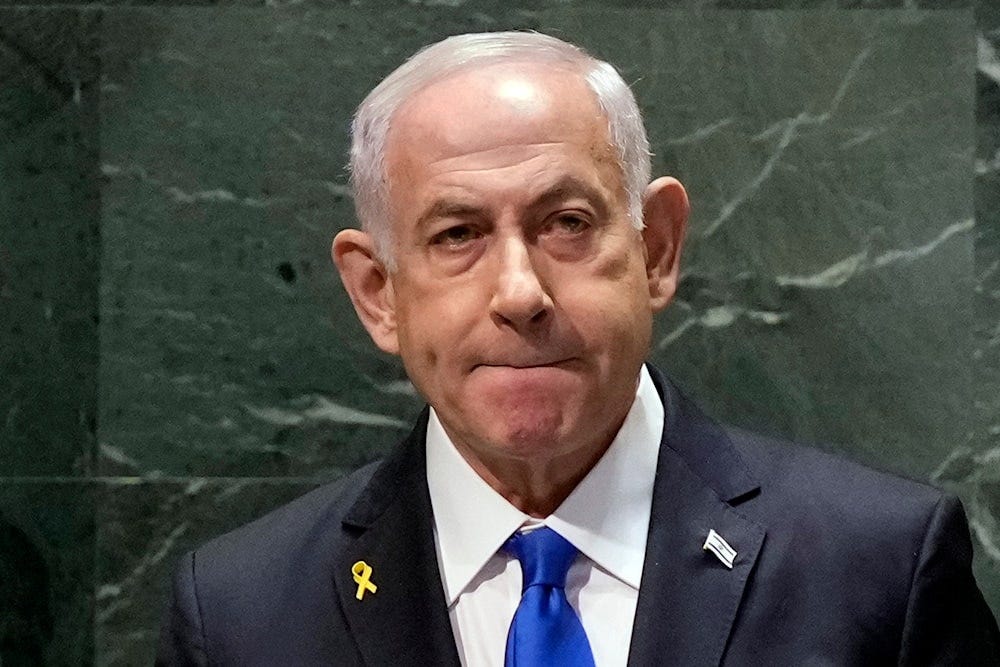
(841,490)
(795,465)
(310,521)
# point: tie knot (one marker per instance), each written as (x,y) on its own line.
(545,556)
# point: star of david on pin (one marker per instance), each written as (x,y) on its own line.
(720,548)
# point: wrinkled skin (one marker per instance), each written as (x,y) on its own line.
(522,298)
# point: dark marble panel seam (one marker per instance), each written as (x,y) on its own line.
(39,479)
(277,6)
(51,238)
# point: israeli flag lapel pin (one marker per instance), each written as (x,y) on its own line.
(720,548)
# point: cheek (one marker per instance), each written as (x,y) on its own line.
(417,336)
(432,324)
(616,280)
(613,316)
(418,351)
(619,277)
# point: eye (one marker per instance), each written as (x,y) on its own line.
(455,236)
(568,223)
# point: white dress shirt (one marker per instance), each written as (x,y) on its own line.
(606,517)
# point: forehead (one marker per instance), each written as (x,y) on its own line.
(495,108)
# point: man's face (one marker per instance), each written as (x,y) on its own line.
(521,303)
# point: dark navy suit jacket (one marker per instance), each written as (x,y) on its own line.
(836,565)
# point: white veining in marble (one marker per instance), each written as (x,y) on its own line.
(180,196)
(718,317)
(862,261)
(787,130)
(321,409)
(987,59)
(701,133)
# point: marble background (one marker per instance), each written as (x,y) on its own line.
(177,355)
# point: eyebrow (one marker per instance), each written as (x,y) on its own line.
(564,188)
(448,208)
(571,186)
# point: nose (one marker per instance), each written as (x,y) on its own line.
(520,299)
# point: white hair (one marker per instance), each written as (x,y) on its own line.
(374,115)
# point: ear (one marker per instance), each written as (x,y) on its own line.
(369,285)
(665,211)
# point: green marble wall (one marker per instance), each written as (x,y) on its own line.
(177,355)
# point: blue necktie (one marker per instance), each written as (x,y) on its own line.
(545,631)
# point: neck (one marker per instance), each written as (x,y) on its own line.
(537,485)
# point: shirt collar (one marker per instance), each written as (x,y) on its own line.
(606,516)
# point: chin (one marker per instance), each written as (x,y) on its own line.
(531,433)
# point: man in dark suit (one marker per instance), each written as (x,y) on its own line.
(513,253)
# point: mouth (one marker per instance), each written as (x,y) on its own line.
(524,364)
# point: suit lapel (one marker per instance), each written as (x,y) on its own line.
(688,598)
(405,622)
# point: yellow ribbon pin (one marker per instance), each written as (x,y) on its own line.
(362,572)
